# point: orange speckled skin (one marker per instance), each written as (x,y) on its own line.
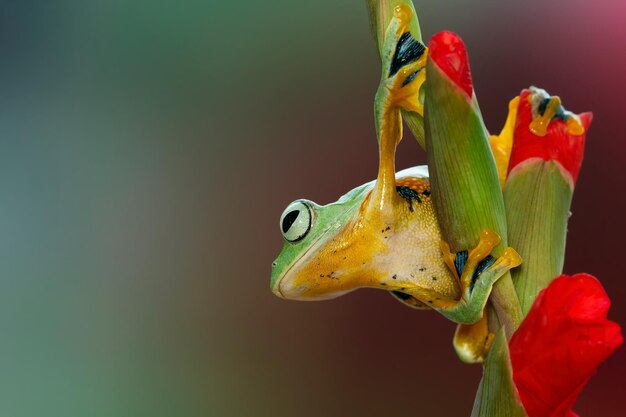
(396,250)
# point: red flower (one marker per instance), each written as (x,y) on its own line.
(544,129)
(447,50)
(558,347)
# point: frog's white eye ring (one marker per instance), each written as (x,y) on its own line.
(296,221)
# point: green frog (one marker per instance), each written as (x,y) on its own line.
(385,234)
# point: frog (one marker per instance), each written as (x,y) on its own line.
(385,234)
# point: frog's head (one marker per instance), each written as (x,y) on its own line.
(308,264)
(333,249)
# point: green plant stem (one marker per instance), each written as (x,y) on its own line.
(497,394)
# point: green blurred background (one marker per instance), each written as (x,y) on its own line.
(147,150)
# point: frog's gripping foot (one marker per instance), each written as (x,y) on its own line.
(547,108)
(404,61)
(476,272)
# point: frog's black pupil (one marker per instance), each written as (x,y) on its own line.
(289,219)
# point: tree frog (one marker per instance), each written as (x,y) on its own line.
(385,234)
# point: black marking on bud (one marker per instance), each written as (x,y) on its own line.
(289,219)
(394,276)
(480,268)
(408,49)
(459,262)
(426,192)
(409,195)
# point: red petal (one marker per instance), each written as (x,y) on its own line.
(558,347)
(556,145)
(447,50)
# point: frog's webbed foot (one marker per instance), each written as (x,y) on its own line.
(546,108)
(404,62)
(476,273)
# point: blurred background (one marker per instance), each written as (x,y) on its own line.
(147,150)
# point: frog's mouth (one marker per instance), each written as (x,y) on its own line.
(286,284)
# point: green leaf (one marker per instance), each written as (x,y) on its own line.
(537,197)
(497,394)
(462,168)
(464,179)
(415,123)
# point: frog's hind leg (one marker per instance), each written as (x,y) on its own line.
(477,271)
(403,63)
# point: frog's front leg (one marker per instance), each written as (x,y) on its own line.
(403,73)
(476,273)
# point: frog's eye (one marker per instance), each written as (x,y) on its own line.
(296,221)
